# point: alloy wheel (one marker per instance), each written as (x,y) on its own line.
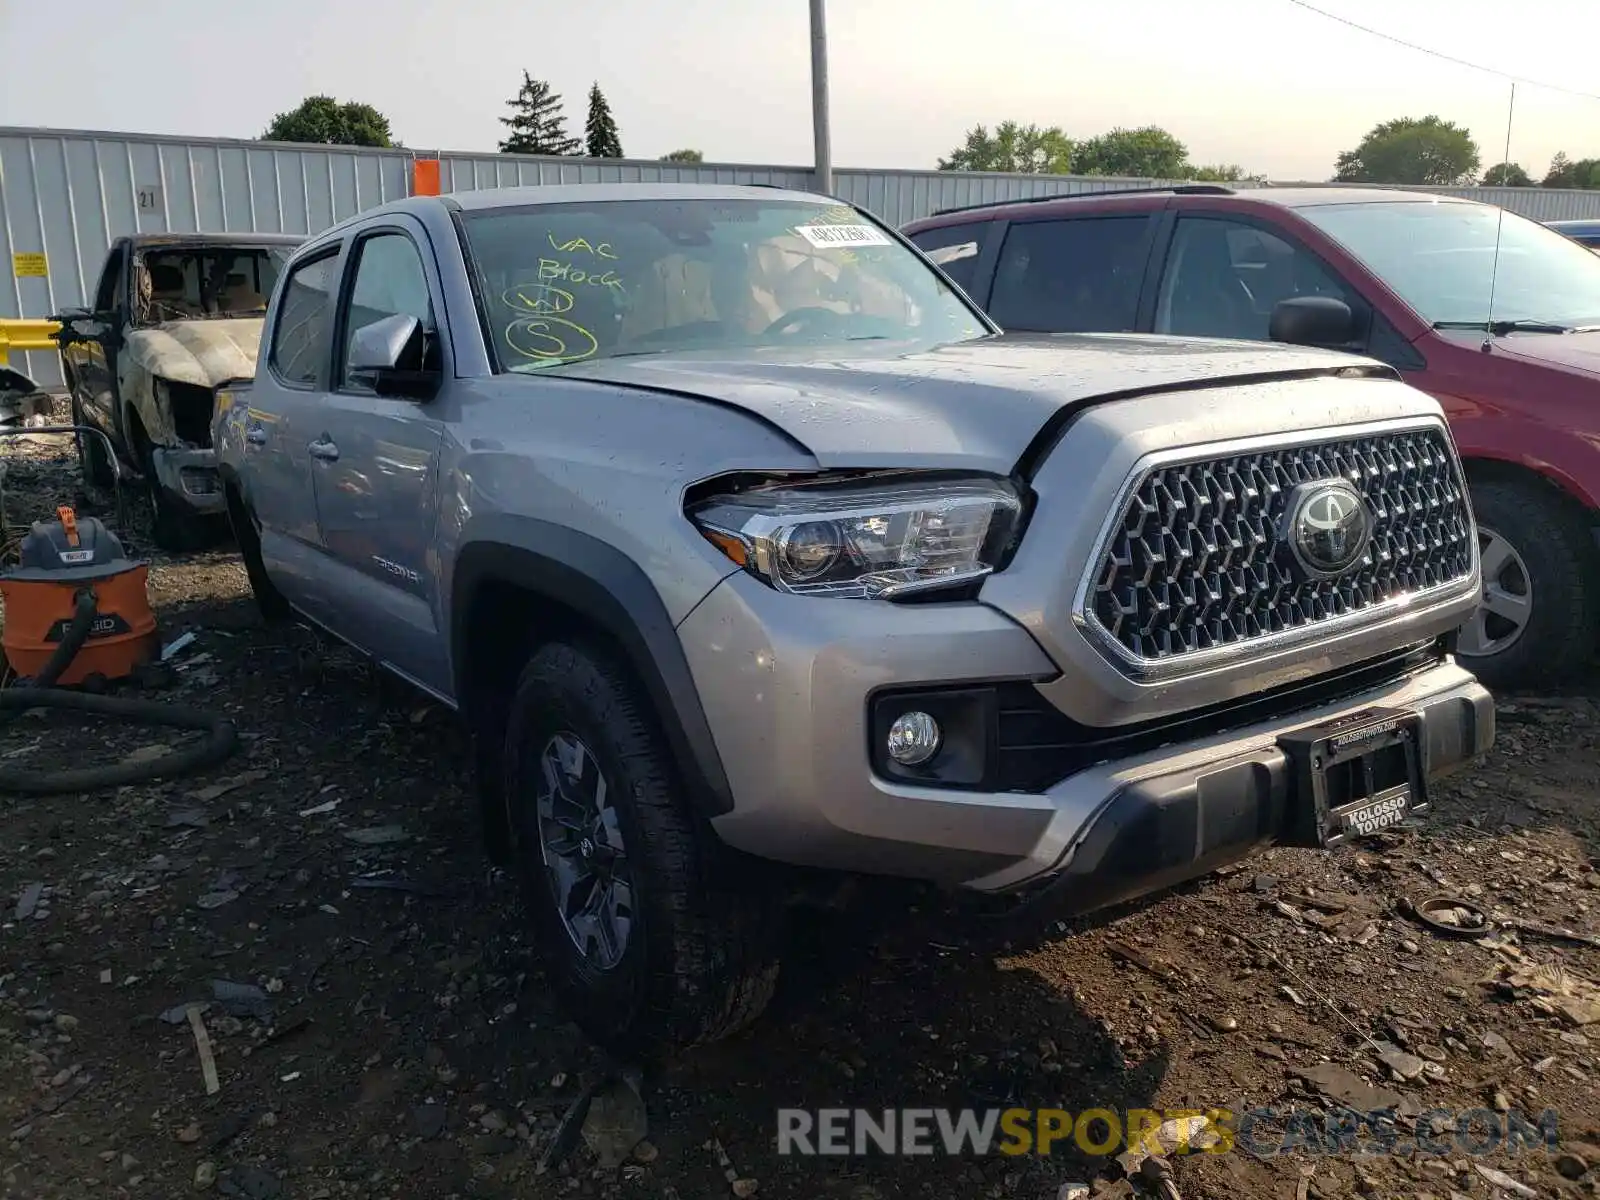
(1507,601)
(581,844)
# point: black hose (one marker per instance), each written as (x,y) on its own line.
(221,741)
(83,615)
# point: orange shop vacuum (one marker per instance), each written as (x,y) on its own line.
(73,585)
(78,618)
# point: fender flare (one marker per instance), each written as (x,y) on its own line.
(601,583)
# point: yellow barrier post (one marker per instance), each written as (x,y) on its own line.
(25,335)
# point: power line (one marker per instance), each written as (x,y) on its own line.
(1460,62)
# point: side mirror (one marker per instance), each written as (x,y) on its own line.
(388,356)
(78,325)
(1312,321)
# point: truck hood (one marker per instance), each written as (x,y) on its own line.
(973,405)
(204,353)
(1577,352)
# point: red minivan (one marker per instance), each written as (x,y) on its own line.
(1495,315)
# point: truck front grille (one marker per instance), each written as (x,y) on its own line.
(1200,556)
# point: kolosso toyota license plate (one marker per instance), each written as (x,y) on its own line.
(1355,775)
(1380,812)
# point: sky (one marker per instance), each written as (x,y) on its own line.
(1262,83)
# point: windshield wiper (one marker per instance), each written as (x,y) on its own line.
(1501,328)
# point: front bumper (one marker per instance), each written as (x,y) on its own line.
(190,476)
(787,681)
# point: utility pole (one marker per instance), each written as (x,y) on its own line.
(819,99)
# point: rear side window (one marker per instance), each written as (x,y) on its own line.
(300,337)
(1071,276)
(955,248)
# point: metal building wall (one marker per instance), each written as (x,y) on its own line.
(65,194)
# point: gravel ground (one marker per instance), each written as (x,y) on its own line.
(381,1028)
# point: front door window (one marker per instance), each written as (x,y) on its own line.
(1223,279)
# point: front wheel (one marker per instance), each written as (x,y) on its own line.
(173,527)
(649,945)
(93,464)
(1538,616)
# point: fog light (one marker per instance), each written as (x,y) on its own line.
(913,739)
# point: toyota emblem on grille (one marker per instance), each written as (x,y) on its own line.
(1329,527)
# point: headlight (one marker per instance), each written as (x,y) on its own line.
(868,539)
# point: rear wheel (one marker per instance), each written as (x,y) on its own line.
(650,945)
(1539,612)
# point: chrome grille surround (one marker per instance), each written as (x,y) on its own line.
(1193,570)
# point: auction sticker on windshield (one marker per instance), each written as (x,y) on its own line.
(827,237)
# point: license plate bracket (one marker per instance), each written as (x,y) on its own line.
(1354,775)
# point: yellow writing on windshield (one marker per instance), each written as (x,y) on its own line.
(554,269)
(550,339)
(543,335)
(537,298)
(581,246)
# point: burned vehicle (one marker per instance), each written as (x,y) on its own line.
(174,317)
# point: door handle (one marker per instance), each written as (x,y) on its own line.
(256,435)
(324,449)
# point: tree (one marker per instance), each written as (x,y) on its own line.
(1021,149)
(1565,173)
(1223,173)
(325,121)
(1411,150)
(1507,174)
(601,139)
(683,156)
(1146,153)
(1220,173)
(536,122)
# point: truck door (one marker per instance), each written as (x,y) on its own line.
(279,425)
(376,465)
(91,363)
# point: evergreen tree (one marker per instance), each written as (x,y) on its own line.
(536,123)
(600,130)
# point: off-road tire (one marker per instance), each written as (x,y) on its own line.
(701,959)
(93,464)
(270,601)
(1559,553)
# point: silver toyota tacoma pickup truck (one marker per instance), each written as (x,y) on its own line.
(739,538)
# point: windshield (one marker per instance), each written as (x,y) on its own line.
(1440,259)
(196,283)
(567,282)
